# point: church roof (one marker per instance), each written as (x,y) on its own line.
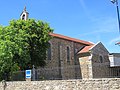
(89,48)
(70,39)
(24,11)
(85,49)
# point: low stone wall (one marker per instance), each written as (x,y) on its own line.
(91,84)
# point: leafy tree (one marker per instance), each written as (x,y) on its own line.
(6,63)
(23,44)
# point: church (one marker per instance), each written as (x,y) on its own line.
(70,58)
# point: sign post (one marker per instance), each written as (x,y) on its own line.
(33,73)
(28,75)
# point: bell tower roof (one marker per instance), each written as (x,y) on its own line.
(24,15)
(25,8)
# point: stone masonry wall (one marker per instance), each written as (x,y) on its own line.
(100,61)
(58,66)
(95,64)
(86,84)
(85,64)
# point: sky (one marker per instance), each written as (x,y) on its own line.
(89,20)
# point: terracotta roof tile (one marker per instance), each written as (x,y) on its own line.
(85,49)
(71,39)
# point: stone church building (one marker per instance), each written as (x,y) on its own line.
(77,58)
(70,58)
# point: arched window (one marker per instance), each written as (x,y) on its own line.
(23,17)
(101,59)
(49,52)
(61,57)
(68,54)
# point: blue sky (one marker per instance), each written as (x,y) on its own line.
(90,20)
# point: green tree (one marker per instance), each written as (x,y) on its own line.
(6,63)
(23,44)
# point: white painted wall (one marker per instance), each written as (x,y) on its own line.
(114,60)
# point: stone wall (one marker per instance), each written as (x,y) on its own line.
(95,63)
(100,61)
(85,65)
(88,84)
(59,59)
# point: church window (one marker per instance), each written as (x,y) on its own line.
(49,52)
(60,52)
(101,59)
(68,54)
(23,17)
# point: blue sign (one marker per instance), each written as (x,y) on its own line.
(28,73)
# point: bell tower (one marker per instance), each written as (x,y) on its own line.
(24,14)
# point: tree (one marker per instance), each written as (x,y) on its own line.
(6,55)
(23,44)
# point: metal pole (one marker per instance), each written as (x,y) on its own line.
(116,1)
(33,73)
(118,14)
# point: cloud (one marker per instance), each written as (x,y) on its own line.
(85,9)
(99,25)
(102,26)
(83,4)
